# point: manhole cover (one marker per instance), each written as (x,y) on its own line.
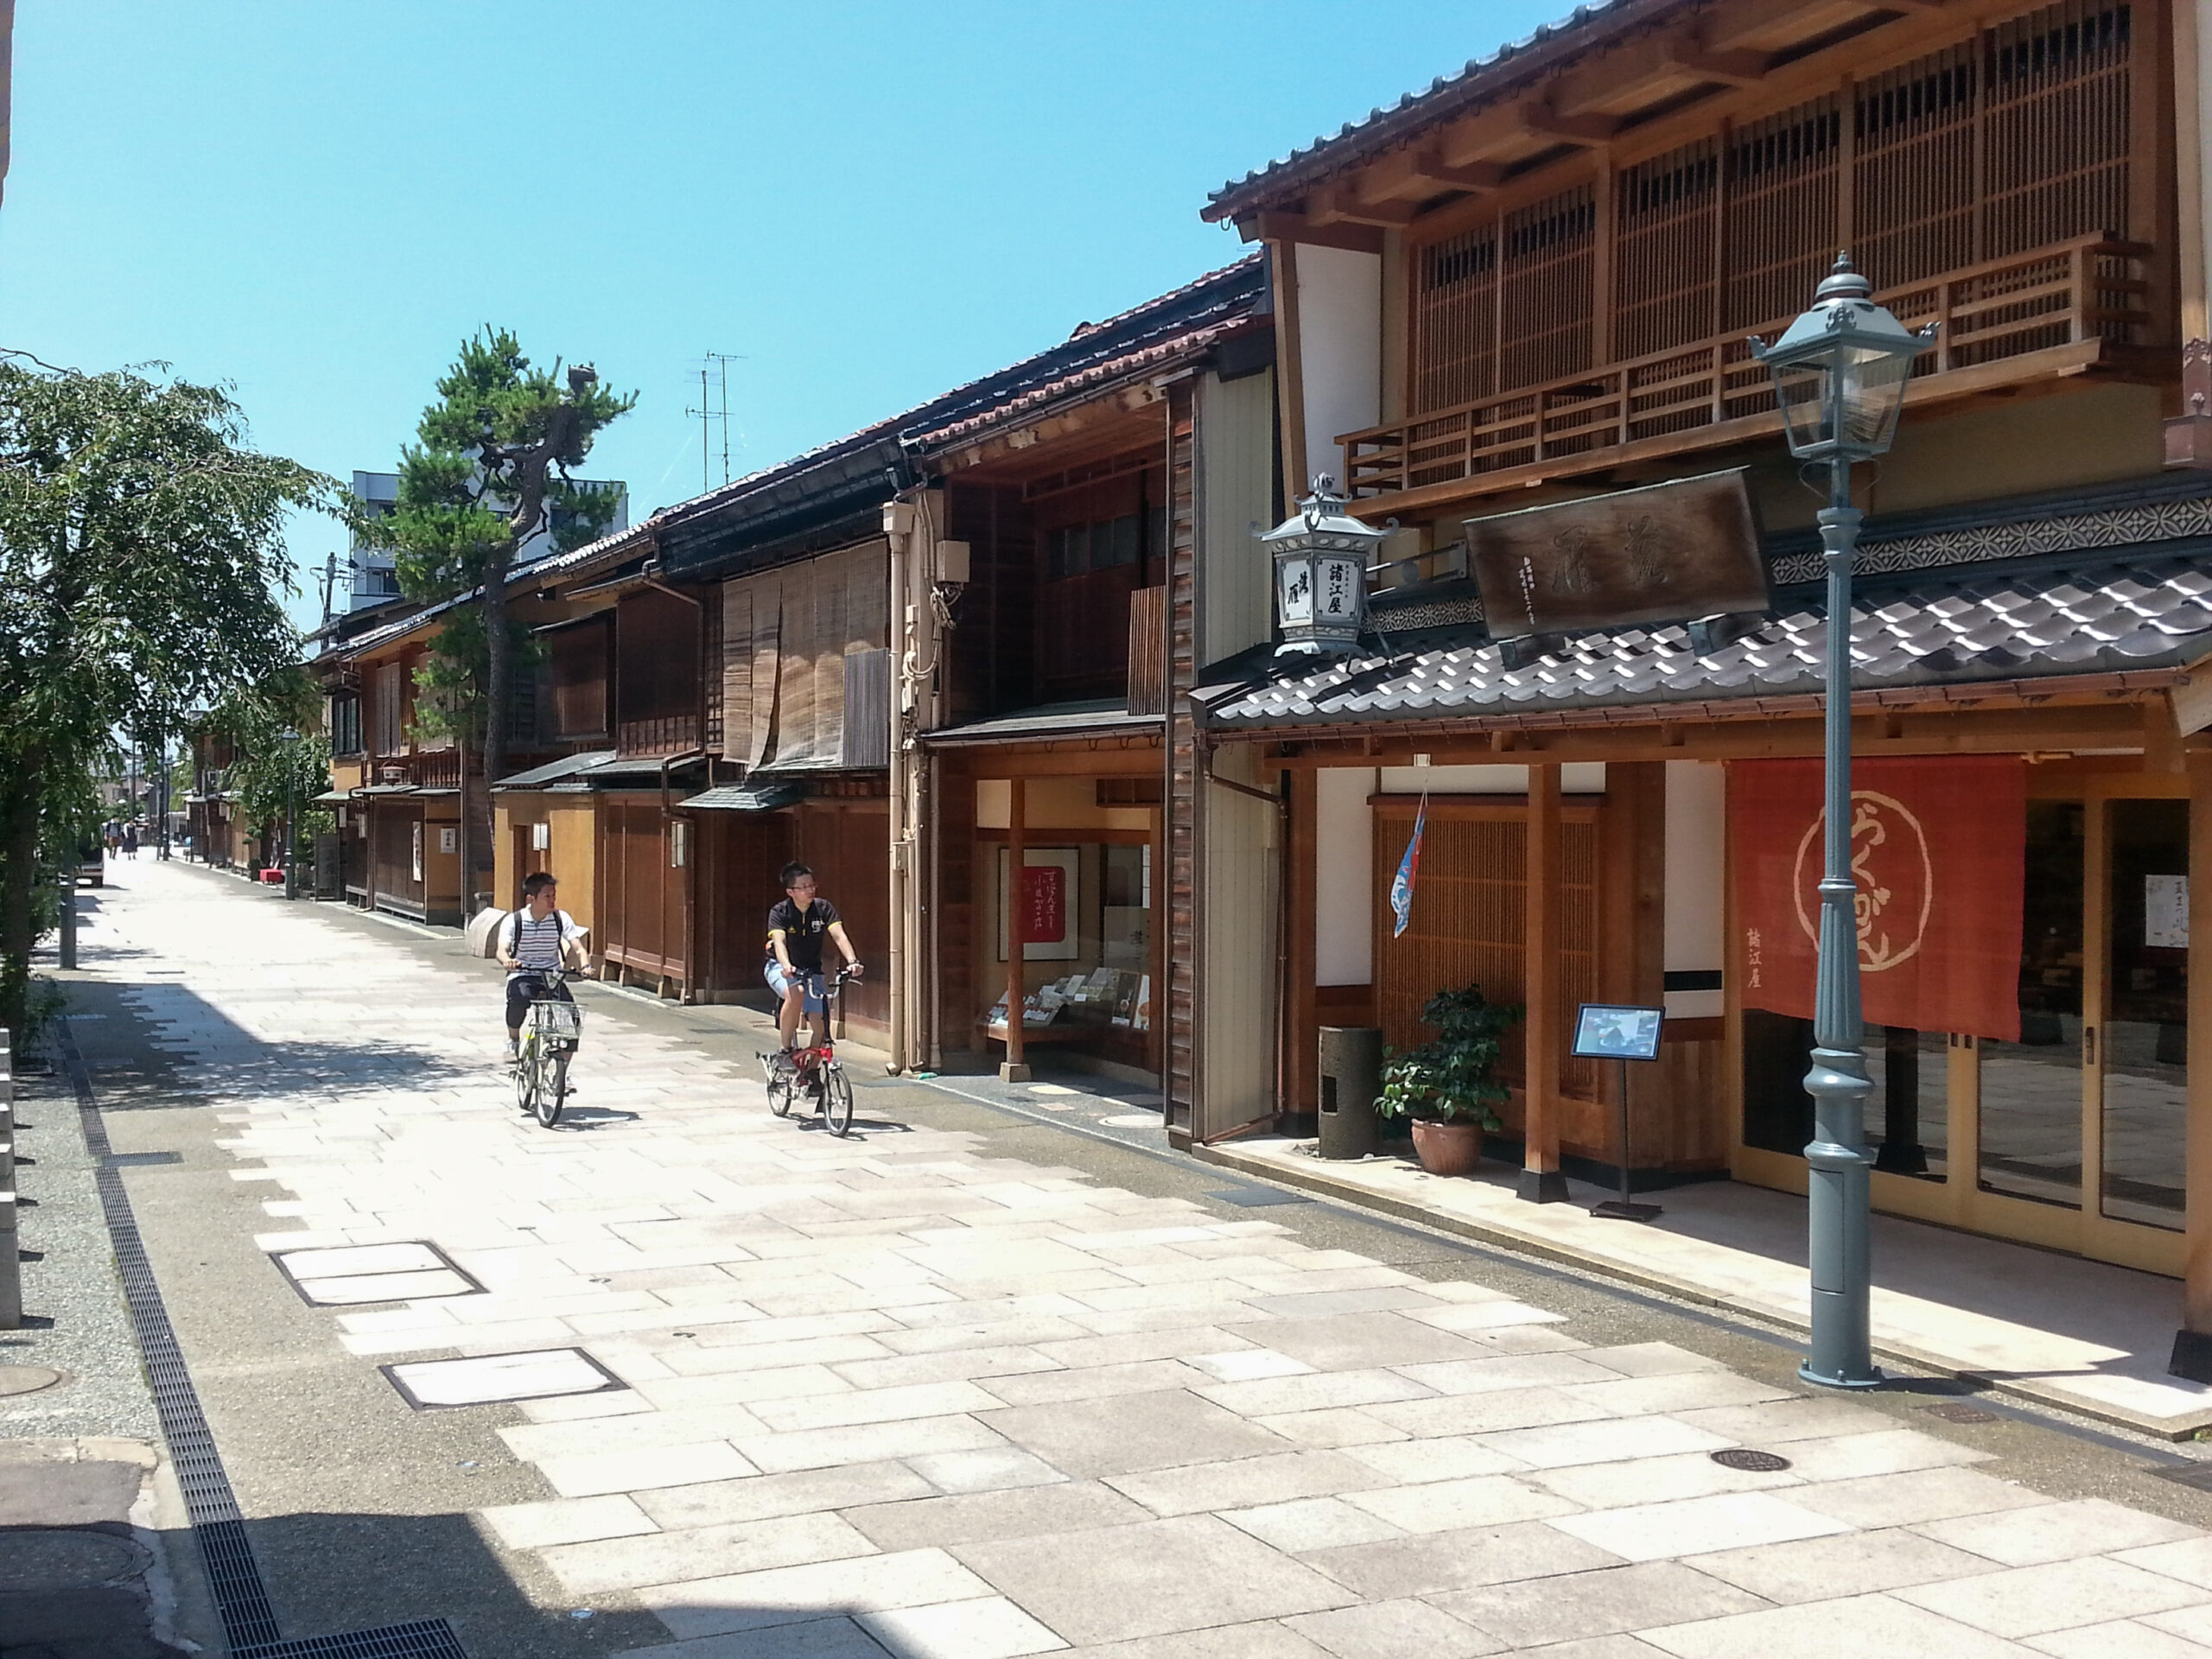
(36,1559)
(1953,1412)
(1756,1463)
(27,1379)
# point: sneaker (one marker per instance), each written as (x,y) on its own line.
(513,1055)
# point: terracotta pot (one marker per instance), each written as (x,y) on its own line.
(1452,1148)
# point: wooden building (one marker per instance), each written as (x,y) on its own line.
(1040,571)
(1531,285)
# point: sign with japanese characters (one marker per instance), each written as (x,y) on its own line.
(1938,853)
(1664,553)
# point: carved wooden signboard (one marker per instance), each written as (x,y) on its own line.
(1664,553)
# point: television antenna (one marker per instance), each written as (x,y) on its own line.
(714,412)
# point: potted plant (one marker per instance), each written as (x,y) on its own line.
(1450,1088)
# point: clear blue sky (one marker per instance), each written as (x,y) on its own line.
(316,201)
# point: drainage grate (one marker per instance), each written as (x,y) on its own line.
(1951,1412)
(142,1159)
(1751,1462)
(422,1639)
(1254,1197)
(233,1576)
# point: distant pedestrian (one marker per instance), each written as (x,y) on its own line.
(130,839)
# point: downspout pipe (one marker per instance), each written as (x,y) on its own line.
(898,518)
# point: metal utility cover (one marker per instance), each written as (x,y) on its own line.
(486,1379)
(1664,553)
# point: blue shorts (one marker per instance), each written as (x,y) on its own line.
(780,983)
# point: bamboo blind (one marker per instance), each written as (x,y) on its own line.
(2013,139)
(1470,904)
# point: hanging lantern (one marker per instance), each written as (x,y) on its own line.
(1321,555)
(1839,370)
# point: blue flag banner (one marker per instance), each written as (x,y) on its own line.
(1402,885)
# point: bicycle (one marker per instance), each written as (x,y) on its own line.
(816,1067)
(549,1041)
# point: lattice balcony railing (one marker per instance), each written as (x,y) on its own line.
(2080,300)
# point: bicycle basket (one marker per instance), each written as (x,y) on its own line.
(555,1021)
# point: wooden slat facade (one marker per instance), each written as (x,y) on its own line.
(1971,172)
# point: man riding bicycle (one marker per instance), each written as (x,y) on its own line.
(534,942)
(796,927)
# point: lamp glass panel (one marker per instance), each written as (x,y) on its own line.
(1801,388)
(1870,384)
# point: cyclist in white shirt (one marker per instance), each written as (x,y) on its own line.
(533,942)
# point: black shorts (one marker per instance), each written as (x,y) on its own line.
(525,988)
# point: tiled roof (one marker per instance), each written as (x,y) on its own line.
(568,765)
(1048,721)
(1094,354)
(2079,617)
(1480,81)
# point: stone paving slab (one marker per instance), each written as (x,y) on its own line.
(2085,1335)
(892,1396)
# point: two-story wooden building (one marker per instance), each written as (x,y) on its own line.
(1533,284)
(1076,495)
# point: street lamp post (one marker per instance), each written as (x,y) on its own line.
(1839,372)
(291,813)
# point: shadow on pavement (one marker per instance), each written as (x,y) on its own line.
(133,1035)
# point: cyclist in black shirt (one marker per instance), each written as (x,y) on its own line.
(796,927)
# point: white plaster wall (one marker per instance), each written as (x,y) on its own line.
(1575,777)
(1236,485)
(1340,349)
(1344,908)
(1695,916)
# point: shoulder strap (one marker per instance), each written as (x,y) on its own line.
(514,944)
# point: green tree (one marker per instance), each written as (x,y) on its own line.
(281,761)
(141,558)
(490,469)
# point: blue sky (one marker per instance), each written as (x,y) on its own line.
(868,202)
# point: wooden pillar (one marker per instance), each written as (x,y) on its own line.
(1541,1181)
(1302,1064)
(1015,1069)
(1290,372)
(2192,1355)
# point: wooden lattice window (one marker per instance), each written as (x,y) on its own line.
(1455,319)
(1916,160)
(1665,273)
(1469,908)
(2057,132)
(1781,214)
(1544,289)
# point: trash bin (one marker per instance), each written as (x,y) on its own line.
(1351,1076)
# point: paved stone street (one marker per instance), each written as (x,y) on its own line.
(684,1381)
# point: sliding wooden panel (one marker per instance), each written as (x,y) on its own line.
(1917,166)
(1469,919)
(1780,229)
(1666,271)
(1455,319)
(2057,86)
(1544,295)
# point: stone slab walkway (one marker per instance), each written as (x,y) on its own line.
(2084,1336)
(891,1395)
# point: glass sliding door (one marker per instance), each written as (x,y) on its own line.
(2144,1068)
(2031,1090)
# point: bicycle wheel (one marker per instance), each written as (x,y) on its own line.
(781,1084)
(526,1079)
(552,1088)
(837,1099)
